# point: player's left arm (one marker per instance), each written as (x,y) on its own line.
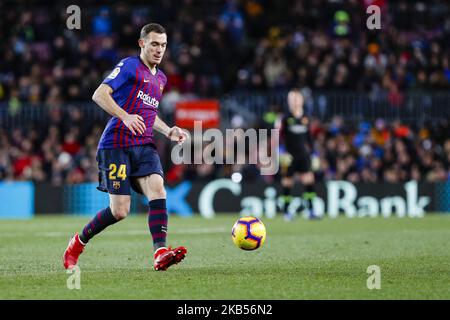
(175,133)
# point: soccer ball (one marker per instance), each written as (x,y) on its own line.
(248,233)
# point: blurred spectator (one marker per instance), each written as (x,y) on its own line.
(367,152)
(102,24)
(233,20)
(238,45)
(217,47)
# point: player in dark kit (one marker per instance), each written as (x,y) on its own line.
(127,157)
(294,127)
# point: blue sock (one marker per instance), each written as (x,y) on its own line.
(100,221)
(157,222)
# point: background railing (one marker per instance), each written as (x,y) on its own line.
(408,107)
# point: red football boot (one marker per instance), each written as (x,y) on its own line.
(164,257)
(73,251)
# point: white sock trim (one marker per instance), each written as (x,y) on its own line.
(160,249)
(81,241)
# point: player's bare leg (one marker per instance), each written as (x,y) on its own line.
(119,207)
(153,188)
(307,179)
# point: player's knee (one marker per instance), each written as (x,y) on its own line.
(120,212)
(308,178)
(287,182)
(158,193)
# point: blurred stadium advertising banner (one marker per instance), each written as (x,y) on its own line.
(334,198)
(442,197)
(206,111)
(48,198)
(17,200)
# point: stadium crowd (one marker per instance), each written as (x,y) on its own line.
(219,46)
(63,150)
(224,46)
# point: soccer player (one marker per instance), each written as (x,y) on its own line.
(294,126)
(126,155)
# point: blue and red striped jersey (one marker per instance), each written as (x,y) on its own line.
(137,91)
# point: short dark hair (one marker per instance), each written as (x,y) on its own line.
(296,90)
(151,27)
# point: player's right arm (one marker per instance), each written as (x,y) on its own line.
(102,96)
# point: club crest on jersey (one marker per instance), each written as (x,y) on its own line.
(147,99)
(116,185)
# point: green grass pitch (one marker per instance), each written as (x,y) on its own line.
(325,259)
